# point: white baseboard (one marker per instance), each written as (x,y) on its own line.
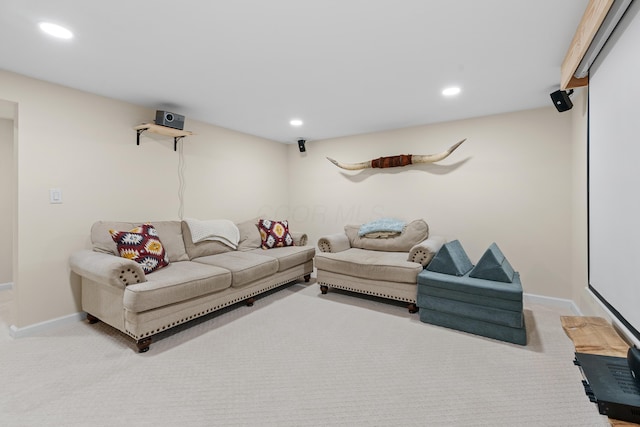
(37,328)
(6,286)
(553,302)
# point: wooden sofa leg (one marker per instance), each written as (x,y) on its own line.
(413,308)
(324,289)
(143,344)
(250,301)
(307,278)
(92,319)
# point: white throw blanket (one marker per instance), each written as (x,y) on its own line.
(221,230)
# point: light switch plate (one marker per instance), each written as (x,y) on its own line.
(55,195)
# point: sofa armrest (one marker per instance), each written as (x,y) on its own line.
(105,268)
(423,252)
(334,243)
(299,238)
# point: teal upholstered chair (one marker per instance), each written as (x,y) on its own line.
(483,300)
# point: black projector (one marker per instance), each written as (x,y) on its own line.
(168,119)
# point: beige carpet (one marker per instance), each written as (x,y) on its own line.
(296,358)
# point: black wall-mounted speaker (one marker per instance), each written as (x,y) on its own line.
(168,119)
(561,100)
(301,145)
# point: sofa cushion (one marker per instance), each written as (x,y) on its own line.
(493,265)
(471,285)
(169,232)
(414,232)
(245,267)
(179,281)
(451,259)
(289,256)
(142,245)
(426,292)
(204,248)
(500,316)
(367,264)
(475,326)
(249,235)
(274,234)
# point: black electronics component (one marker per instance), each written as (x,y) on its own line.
(610,385)
(561,100)
(633,358)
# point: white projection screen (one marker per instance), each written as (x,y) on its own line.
(614,173)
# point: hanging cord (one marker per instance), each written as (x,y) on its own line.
(182,184)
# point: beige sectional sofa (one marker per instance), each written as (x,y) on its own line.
(200,278)
(377,264)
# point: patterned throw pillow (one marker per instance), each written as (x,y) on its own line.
(143,246)
(274,234)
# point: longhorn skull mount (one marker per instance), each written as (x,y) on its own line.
(399,160)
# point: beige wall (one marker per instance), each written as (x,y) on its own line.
(519,180)
(509,183)
(85,145)
(6,195)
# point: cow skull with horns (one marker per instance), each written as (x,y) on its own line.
(394,161)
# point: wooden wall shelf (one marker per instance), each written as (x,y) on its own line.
(176,134)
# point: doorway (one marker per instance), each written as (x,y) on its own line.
(8,110)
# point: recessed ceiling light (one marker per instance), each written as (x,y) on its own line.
(296,122)
(55,30)
(451,91)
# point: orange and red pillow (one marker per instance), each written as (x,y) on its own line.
(143,246)
(274,234)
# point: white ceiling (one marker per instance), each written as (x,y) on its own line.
(344,67)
